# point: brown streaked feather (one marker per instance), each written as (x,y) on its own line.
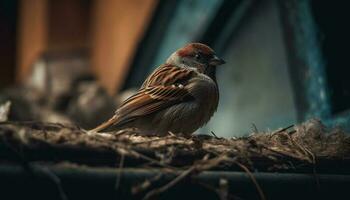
(167,75)
(150,95)
(163,88)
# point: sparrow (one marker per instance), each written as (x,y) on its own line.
(179,96)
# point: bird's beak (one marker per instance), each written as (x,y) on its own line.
(215,61)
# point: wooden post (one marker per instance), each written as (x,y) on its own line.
(117,28)
(32,34)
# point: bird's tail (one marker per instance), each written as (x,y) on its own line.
(104,125)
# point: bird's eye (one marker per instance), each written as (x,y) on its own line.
(197,56)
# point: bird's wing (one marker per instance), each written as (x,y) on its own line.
(167,75)
(165,87)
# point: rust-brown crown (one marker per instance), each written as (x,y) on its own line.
(193,48)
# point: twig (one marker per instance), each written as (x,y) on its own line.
(255,129)
(306,152)
(160,190)
(281,130)
(137,154)
(258,188)
(151,141)
(119,173)
(212,132)
(171,133)
(282,153)
(145,185)
(31,169)
(54,179)
(203,164)
(314,169)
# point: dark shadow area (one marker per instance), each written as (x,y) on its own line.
(332,20)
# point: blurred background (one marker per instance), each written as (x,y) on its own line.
(74,61)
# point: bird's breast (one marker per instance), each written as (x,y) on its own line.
(206,94)
(203,87)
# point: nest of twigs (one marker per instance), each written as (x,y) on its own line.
(309,147)
(300,148)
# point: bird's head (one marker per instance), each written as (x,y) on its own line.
(196,55)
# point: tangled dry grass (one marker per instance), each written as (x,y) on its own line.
(309,147)
(296,148)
